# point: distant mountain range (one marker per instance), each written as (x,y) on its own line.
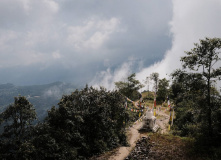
(43,97)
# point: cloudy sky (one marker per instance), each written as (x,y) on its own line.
(99,41)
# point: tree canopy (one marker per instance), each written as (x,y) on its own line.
(203,58)
(16,119)
(197,100)
(163,90)
(86,123)
(155,77)
(130,87)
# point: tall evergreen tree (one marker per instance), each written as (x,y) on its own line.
(16,119)
(203,58)
(163,90)
(19,117)
(155,77)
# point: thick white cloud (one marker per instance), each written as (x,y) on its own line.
(107,78)
(191,21)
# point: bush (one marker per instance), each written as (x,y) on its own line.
(89,121)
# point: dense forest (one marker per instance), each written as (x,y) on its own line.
(90,121)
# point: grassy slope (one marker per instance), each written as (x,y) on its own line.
(170,147)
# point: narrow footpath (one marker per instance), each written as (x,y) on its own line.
(133,135)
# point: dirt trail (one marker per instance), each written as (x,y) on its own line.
(134,135)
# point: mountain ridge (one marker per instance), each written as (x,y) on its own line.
(43,97)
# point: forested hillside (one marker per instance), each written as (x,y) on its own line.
(41,96)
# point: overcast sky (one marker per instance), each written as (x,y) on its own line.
(99,41)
